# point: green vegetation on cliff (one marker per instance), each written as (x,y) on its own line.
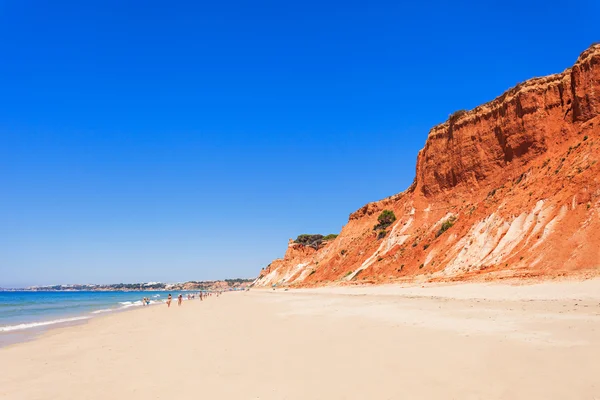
(314,240)
(386,218)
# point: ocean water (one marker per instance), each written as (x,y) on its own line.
(22,312)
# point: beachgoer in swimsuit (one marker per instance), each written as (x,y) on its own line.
(169,300)
(179,299)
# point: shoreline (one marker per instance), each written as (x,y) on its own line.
(27,330)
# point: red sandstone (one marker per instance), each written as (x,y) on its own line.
(519,174)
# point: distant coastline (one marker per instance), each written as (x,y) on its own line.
(27,312)
(226,284)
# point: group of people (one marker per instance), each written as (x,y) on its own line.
(190,296)
(201,295)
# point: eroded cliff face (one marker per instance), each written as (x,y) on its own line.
(519,178)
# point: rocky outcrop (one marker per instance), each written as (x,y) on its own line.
(519,178)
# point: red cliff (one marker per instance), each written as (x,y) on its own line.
(508,189)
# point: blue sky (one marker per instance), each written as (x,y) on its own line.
(188,140)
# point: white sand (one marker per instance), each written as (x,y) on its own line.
(443,342)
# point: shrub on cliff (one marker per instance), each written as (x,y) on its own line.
(313,241)
(386,218)
(456,115)
(447,224)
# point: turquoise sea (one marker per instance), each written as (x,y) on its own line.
(24,312)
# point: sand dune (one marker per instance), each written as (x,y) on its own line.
(442,342)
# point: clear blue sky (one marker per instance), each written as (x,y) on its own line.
(188,140)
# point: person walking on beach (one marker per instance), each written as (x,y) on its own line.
(169,300)
(179,299)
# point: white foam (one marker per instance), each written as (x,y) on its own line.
(127,304)
(9,328)
(102,311)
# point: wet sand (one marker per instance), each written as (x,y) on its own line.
(468,341)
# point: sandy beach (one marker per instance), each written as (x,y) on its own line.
(467,341)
